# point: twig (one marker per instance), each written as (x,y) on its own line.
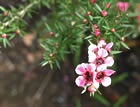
(20,14)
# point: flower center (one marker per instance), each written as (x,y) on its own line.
(99,61)
(100,75)
(88,76)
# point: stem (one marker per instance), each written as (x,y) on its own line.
(20,14)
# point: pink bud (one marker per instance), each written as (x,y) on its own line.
(122,38)
(91,88)
(107,5)
(89,13)
(3,35)
(92,1)
(95,26)
(104,12)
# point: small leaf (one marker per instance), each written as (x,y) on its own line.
(2,8)
(81,17)
(117,35)
(132,14)
(102,100)
(127,25)
(115,52)
(119,78)
(121,100)
(122,43)
(98,7)
(48,27)
(84,90)
(107,28)
(57,64)
(43,63)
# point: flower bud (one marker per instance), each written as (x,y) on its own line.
(113,30)
(92,1)
(91,88)
(18,31)
(89,13)
(122,38)
(3,35)
(104,12)
(85,21)
(51,33)
(51,54)
(5,13)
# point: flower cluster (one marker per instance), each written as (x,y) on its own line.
(96,72)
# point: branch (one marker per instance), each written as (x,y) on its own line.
(20,14)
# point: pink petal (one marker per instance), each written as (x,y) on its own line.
(91,57)
(90,67)
(109,72)
(101,43)
(80,69)
(101,67)
(96,84)
(92,48)
(108,46)
(126,4)
(80,81)
(109,61)
(102,52)
(106,81)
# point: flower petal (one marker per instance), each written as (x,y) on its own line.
(101,43)
(102,52)
(108,46)
(109,72)
(106,81)
(101,67)
(96,84)
(80,81)
(109,61)
(90,67)
(92,48)
(91,57)
(80,69)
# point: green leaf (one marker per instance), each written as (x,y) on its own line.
(57,64)
(81,17)
(43,63)
(98,7)
(102,99)
(115,52)
(78,103)
(123,44)
(2,8)
(117,35)
(121,100)
(48,27)
(105,27)
(119,78)
(127,25)
(132,14)
(128,34)
(84,90)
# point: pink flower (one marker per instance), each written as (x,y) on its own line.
(94,48)
(101,43)
(97,32)
(107,5)
(122,5)
(101,59)
(109,46)
(104,12)
(92,1)
(95,26)
(86,72)
(102,76)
